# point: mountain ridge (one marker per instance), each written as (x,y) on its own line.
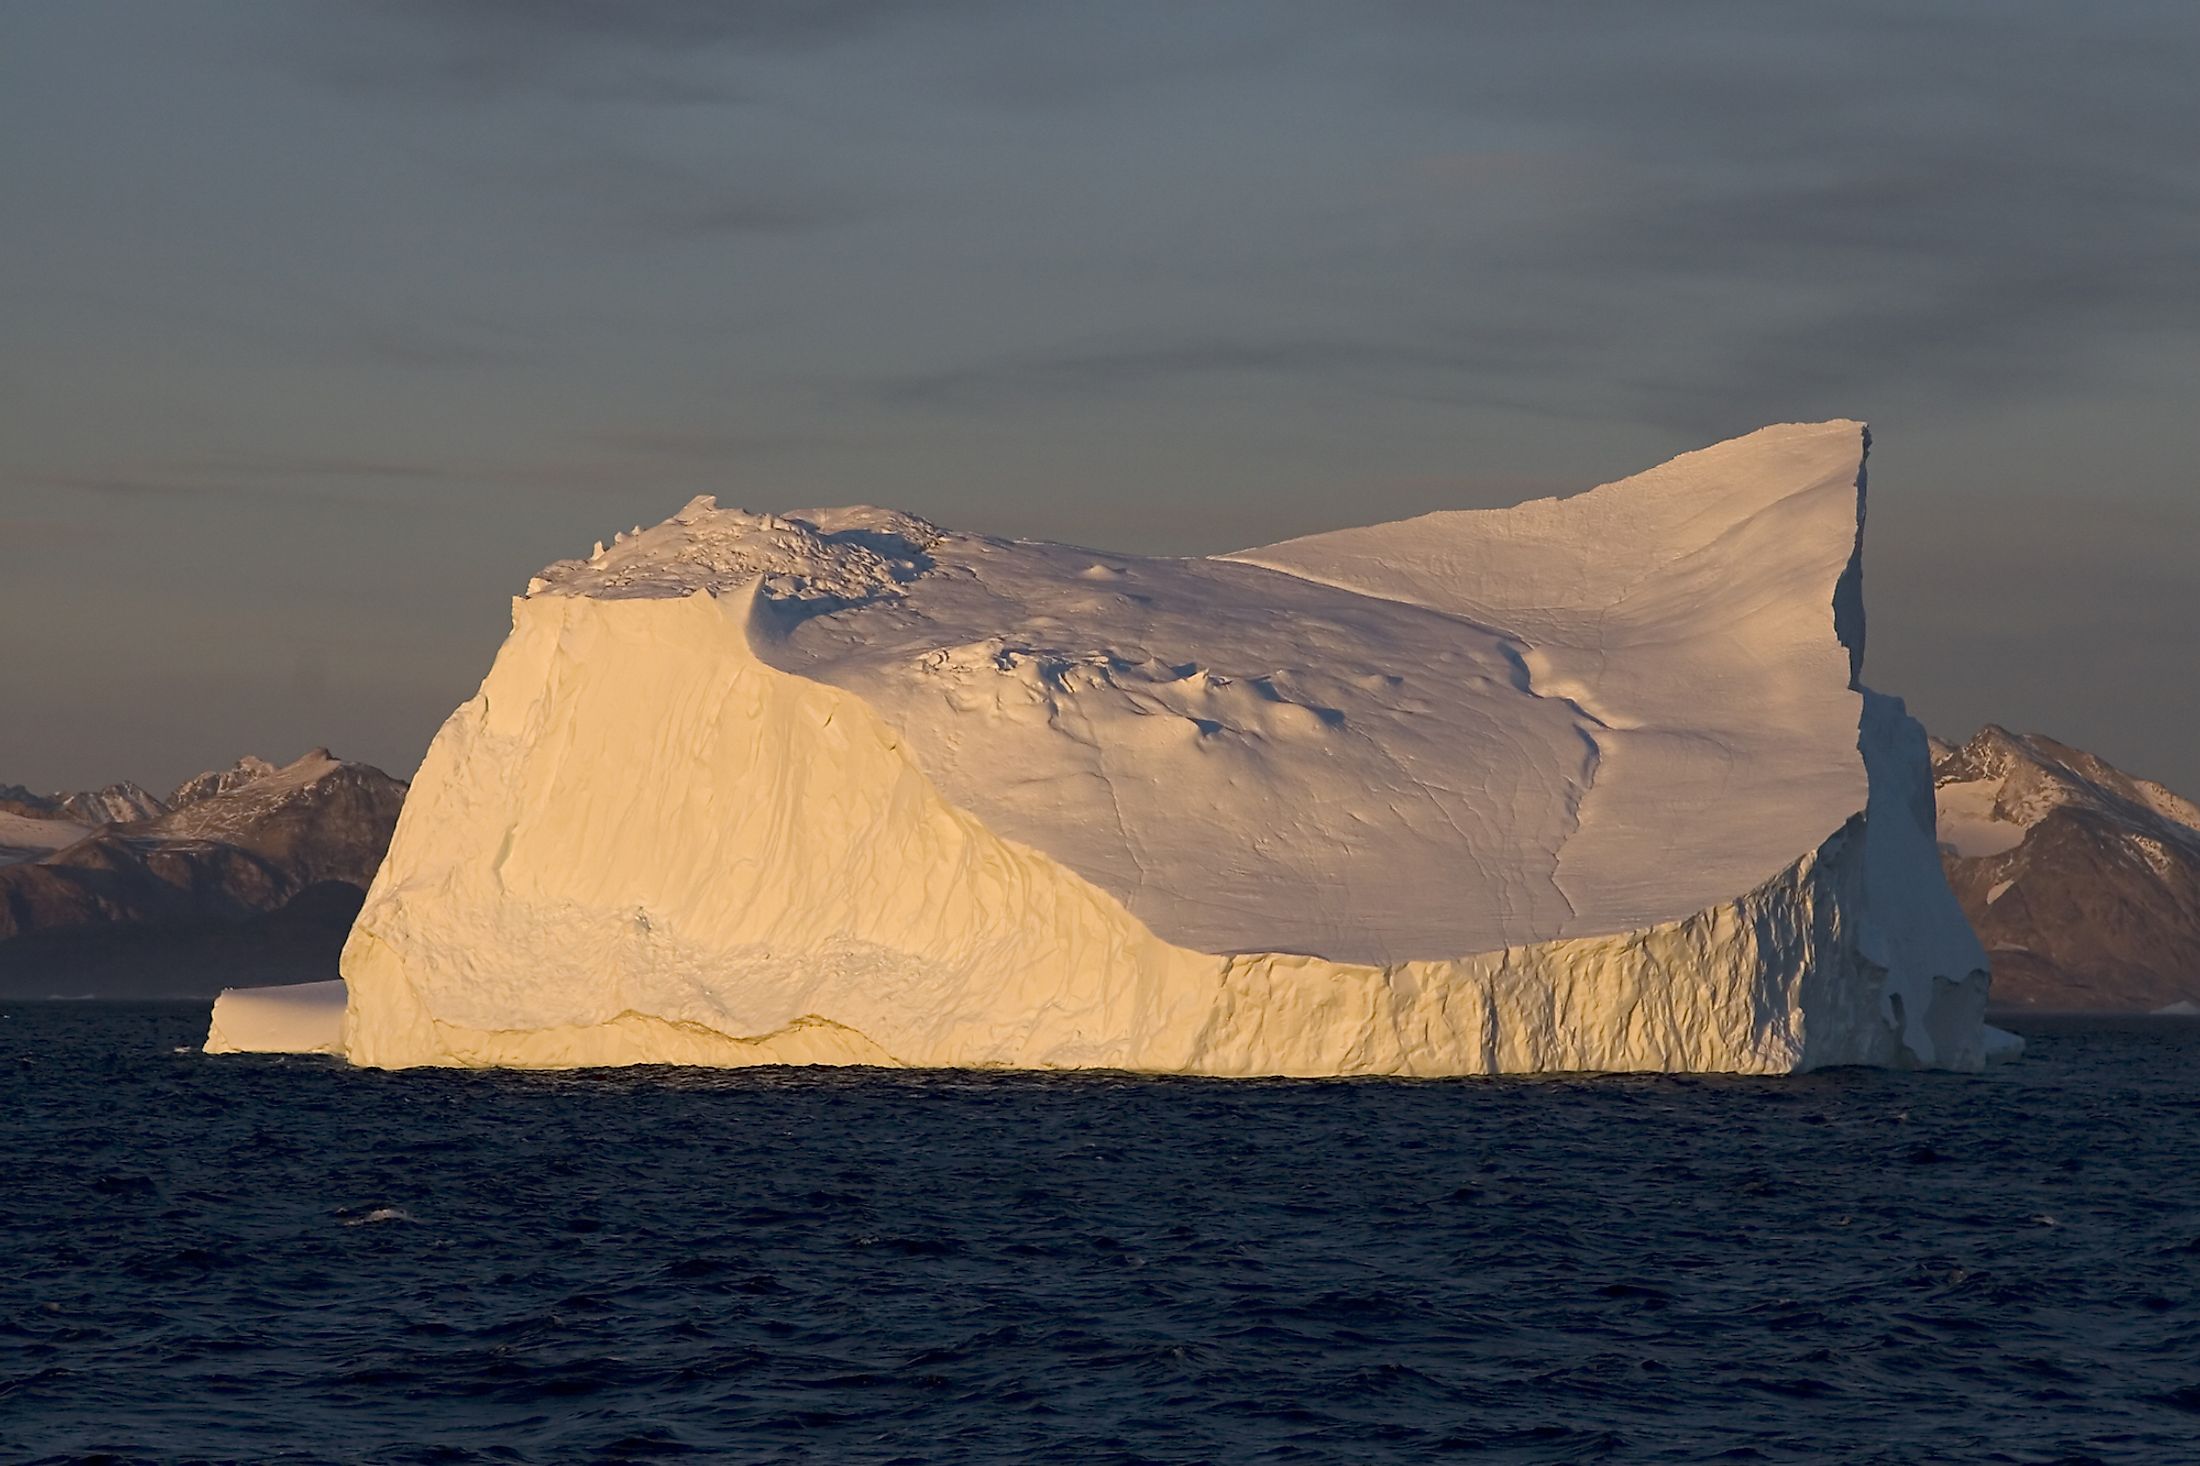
(2082,881)
(256,868)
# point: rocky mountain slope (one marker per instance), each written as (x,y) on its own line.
(2082,881)
(252,871)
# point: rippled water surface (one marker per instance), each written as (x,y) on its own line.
(250,1258)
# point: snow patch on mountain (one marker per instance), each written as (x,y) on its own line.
(2083,881)
(117,804)
(27,837)
(247,770)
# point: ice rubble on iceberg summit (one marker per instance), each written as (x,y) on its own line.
(1586,784)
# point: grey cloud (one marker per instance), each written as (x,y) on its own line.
(322,481)
(1781,217)
(321,325)
(1472,361)
(668,182)
(1067,58)
(659,25)
(36,536)
(1980,278)
(412,347)
(1964,199)
(313,468)
(636,52)
(695,445)
(655,198)
(132,486)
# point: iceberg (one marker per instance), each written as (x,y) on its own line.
(1588,784)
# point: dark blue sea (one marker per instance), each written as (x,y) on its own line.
(244,1259)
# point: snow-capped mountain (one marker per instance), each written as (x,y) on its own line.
(254,868)
(2082,881)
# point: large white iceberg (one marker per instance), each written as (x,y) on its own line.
(1586,784)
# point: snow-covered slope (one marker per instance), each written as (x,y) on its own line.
(1699,625)
(1586,784)
(27,837)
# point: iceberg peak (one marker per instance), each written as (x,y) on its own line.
(842,556)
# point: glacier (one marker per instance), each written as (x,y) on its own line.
(1587,784)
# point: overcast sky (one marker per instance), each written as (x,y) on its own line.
(325,325)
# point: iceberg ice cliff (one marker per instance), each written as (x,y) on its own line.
(1586,784)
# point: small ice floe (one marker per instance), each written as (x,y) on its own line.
(379,1214)
(299,1018)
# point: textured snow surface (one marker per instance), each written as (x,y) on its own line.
(1585,784)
